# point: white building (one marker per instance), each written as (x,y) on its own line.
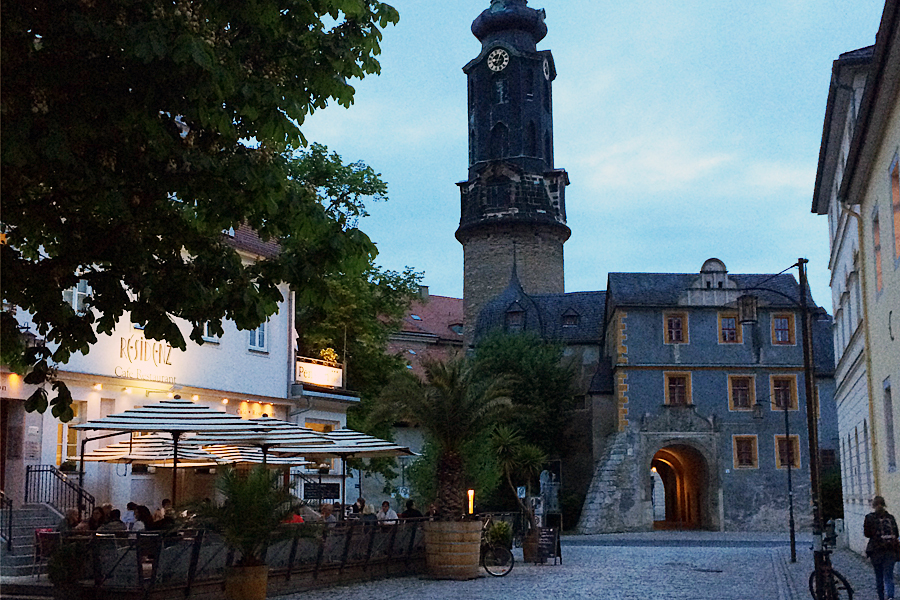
(248,373)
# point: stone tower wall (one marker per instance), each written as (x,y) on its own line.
(488,263)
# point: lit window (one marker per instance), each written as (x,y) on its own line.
(784,392)
(678,389)
(745,452)
(77,296)
(783,329)
(676,328)
(740,392)
(258,338)
(787,452)
(729,329)
(876,234)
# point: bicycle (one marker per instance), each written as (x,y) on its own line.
(836,585)
(496,559)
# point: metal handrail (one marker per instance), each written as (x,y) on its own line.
(6,514)
(45,484)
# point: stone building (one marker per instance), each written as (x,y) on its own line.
(681,423)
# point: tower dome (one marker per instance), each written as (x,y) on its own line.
(507,16)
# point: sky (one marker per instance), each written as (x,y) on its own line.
(690,129)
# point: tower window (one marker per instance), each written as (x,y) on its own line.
(531,140)
(515,320)
(499,141)
(501,91)
(529,84)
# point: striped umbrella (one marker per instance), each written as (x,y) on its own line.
(154,449)
(253,455)
(176,417)
(347,443)
(269,434)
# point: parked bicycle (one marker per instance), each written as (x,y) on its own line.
(496,558)
(836,586)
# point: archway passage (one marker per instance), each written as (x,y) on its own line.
(685,479)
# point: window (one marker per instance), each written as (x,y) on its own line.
(501,91)
(890,446)
(67,438)
(876,235)
(76,296)
(741,392)
(258,338)
(676,325)
(209,335)
(570,318)
(827,458)
(322,427)
(457,328)
(729,329)
(895,204)
(745,452)
(515,320)
(783,329)
(787,452)
(678,389)
(784,392)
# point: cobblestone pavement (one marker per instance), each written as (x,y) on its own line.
(669,567)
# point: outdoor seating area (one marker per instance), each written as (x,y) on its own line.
(192,563)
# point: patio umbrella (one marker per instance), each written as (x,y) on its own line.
(155,449)
(269,433)
(174,416)
(253,455)
(347,443)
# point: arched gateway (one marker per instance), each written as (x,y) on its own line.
(684,502)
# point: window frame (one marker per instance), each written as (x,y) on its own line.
(669,375)
(77,298)
(751,393)
(252,337)
(876,250)
(754,440)
(795,402)
(685,334)
(792,329)
(794,440)
(208,337)
(894,178)
(738,333)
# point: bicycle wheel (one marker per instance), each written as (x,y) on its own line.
(837,585)
(497,560)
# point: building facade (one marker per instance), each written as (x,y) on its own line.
(871,188)
(845,263)
(248,373)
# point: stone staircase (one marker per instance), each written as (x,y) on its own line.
(613,501)
(26,519)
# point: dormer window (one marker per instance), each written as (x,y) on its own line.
(515,319)
(415,317)
(457,328)
(570,318)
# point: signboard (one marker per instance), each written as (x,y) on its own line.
(320,372)
(548,545)
(321,491)
(520,491)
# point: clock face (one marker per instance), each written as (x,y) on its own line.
(546,70)
(498,59)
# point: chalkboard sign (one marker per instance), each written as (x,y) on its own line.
(548,544)
(321,491)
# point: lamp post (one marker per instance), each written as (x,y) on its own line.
(790,464)
(747,307)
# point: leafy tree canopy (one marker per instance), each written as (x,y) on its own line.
(134,133)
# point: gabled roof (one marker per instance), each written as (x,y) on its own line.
(436,316)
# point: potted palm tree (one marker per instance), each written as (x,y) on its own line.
(453,406)
(254,507)
(519,462)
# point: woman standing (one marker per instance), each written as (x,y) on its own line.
(881,529)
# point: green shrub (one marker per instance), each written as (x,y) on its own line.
(68,563)
(500,534)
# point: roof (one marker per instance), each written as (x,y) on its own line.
(667,289)
(435,317)
(248,240)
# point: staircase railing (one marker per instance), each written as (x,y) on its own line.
(6,520)
(45,484)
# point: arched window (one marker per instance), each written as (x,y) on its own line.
(501,90)
(499,141)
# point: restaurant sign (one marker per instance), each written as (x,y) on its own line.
(320,372)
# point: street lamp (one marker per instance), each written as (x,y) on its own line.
(747,307)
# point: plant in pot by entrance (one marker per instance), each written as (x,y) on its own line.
(519,462)
(453,406)
(254,507)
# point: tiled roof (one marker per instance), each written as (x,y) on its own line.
(435,317)
(246,239)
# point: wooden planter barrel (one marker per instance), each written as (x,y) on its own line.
(246,583)
(453,549)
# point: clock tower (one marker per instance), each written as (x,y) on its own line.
(513,202)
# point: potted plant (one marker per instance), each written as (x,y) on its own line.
(452,405)
(66,566)
(254,507)
(519,462)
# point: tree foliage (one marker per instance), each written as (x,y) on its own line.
(542,386)
(134,133)
(519,462)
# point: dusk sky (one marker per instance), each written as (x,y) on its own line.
(690,129)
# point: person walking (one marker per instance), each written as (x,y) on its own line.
(883,547)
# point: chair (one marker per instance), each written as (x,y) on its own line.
(46,540)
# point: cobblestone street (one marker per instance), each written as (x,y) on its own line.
(662,565)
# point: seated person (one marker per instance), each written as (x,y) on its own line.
(387,515)
(115,522)
(411,512)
